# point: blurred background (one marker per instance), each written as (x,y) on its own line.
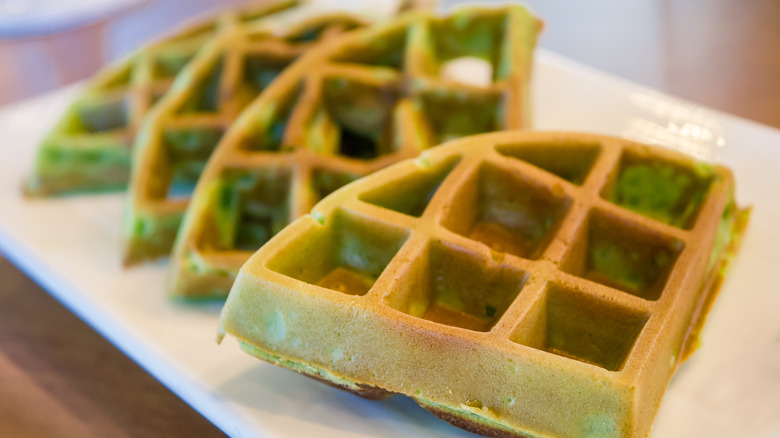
(714,52)
(71,382)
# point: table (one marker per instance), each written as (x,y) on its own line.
(70,382)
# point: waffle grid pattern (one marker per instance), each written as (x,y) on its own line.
(384,80)
(626,330)
(582,209)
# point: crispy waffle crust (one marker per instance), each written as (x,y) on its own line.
(514,284)
(357,104)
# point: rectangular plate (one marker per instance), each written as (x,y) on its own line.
(729,388)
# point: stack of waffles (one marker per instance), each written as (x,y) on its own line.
(514,284)
(356,105)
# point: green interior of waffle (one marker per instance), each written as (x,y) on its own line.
(454,287)
(623,256)
(508,212)
(663,190)
(252,207)
(583,327)
(346,255)
(353,119)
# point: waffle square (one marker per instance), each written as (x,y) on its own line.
(508,287)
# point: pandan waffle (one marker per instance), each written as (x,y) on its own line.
(90,148)
(367,100)
(514,284)
(179,136)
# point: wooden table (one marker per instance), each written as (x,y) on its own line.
(58,378)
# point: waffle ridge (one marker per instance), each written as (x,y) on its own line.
(492,335)
(364,101)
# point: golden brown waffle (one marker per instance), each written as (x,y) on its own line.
(515,284)
(89,149)
(364,101)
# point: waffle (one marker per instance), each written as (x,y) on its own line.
(514,284)
(367,100)
(90,148)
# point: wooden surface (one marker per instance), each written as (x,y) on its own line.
(58,378)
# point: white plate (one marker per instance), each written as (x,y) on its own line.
(730,388)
